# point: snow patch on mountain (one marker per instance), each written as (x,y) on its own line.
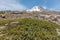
(36,8)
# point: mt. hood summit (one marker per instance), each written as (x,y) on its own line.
(36,8)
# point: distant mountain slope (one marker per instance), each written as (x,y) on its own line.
(42,9)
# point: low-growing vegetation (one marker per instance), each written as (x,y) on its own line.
(29,29)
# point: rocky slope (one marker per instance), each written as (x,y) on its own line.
(35,12)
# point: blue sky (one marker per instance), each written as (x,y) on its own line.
(26,4)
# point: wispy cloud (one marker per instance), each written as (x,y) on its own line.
(11,5)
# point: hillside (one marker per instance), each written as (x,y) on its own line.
(36,23)
(28,29)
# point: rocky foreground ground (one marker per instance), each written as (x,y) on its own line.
(46,15)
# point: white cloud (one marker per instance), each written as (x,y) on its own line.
(11,5)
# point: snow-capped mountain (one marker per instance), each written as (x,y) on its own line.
(36,8)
